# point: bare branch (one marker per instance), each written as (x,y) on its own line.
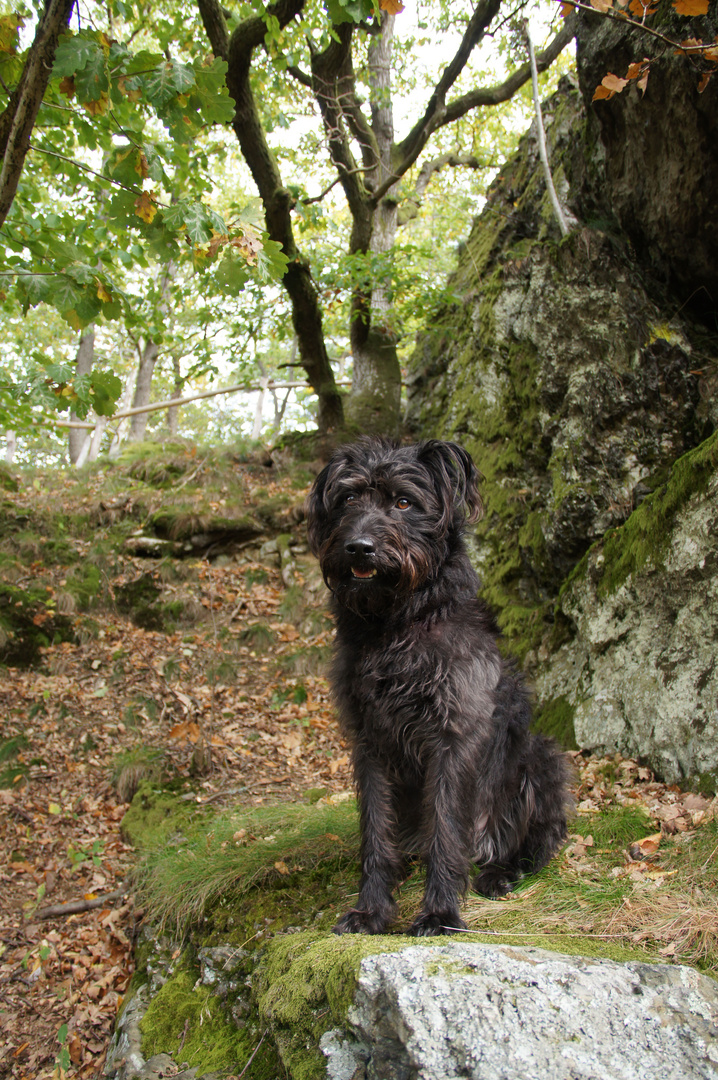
(486,96)
(428,170)
(543,152)
(495,95)
(410,147)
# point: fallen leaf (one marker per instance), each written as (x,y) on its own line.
(691,7)
(643,849)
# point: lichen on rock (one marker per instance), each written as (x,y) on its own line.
(639,668)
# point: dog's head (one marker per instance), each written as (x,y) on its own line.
(383,518)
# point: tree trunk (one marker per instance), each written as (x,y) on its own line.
(276,199)
(83,366)
(143,388)
(173,411)
(18,119)
(375,399)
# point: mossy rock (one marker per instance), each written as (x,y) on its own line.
(8,480)
(555,719)
(154,814)
(28,623)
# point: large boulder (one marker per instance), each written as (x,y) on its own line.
(506,1013)
(577,371)
(637,671)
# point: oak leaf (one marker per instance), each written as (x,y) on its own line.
(392,7)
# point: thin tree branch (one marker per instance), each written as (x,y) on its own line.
(495,95)
(427,172)
(409,149)
(157,406)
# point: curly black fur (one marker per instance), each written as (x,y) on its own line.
(438,722)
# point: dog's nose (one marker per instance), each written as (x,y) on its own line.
(362,545)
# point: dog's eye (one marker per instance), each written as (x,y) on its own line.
(350,498)
(402,504)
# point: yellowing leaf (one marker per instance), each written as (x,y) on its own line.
(281,866)
(704,80)
(98,107)
(691,7)
(9,25)
(602,5)
(53,808)
(145,206)
(103,294)
(142,167)
(393,7)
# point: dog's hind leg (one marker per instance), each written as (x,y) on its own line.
(534,822)
(381,861)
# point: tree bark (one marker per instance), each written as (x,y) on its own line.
(276,200)
(18,119)
(173,411)
(143,388)
(83,366)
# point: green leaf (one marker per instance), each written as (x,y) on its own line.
(64,293)
(74,51)
(106,390)
(232,273)
(357,11)
(197,222)
(94,79)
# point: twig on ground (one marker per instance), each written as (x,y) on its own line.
(74,907)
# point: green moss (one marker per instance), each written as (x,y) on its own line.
(184,1014)
(555,718)
(304,986)
(646,536)
(28,623)
(153,815)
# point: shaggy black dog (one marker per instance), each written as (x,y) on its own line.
(438,722)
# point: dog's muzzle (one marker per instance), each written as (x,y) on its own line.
(361,548)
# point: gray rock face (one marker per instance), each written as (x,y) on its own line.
(640,671)
(506,1013)
(573,386)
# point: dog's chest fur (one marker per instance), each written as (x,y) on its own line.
(407,691)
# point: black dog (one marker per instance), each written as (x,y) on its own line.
(443,759)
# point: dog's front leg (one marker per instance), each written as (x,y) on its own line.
(380,858)
(447,827)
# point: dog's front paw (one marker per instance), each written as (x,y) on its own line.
(362,922)
(433,923)
(494,882)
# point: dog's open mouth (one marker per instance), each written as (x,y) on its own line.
(363,574)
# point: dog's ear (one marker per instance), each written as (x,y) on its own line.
(316,511)
(456,478)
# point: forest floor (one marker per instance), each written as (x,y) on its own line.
(233,707)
